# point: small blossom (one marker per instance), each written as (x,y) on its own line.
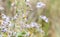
(44,18)
(13,4)
(16,16)
(7,19)
(28,3)
(4,22)
(40,4)
(27,0)
(3,16)
(4,29)
(10,24)
(34,24)
(27,26)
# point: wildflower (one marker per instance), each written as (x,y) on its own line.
(44,18)
(3,16)
(40,5)
(15,17)
(27,0)
(13,4)
(27,26)
(14,33)
(7,19)
(4,23)
(4,29)
(34,24)
(10,24)
(28,3)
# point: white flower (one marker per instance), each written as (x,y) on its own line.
(34,24)
(27,0)
(27,26)
(10,24)
(3,16)
(7,19)
(40,4)
(4,22)
(15,17)
(13,4)
(28,3)
(4,29)
(44,18)
(14,33)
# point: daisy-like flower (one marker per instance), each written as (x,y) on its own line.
(44,18)
(40,5)
(4,29)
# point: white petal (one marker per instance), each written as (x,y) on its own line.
(46,20)
(13,4)
(27,0)
(43,17)
(40,4)
(27,26)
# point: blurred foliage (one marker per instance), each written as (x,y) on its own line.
(22,13)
